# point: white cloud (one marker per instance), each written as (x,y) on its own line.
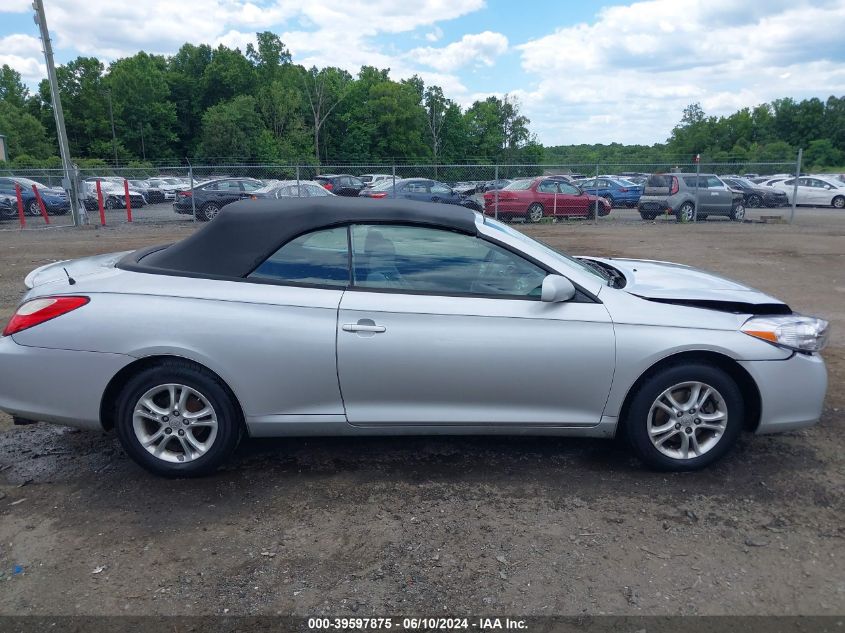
(480,49)
(627,76)
(23,53)
(435,35)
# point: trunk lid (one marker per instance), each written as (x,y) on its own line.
(76,268)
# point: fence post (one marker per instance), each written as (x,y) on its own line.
(298,187)
(193,202)
(495,192)
(596,211)
(100,204)
(41,204)
(21,215)
(697,187)
(128,201)
(795,186)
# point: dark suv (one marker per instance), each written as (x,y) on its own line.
(210,197)
(342,184)
(675,194)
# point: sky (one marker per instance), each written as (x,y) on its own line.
(583,71)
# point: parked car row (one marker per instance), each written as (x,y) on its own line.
(532,199)
(812,190)
(55,199)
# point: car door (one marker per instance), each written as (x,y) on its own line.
(821,193)
(416,190)
(441,328)
(547,195)
(227,191)
(719,197)
(803,193)
(441,193)
(573,200)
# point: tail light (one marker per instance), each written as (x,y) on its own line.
(624,190)
(185,194)
(379,194)
(675,186)
(328,186)
(40,310)
(253,198)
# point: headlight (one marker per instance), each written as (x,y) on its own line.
(795,331)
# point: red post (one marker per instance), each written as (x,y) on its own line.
(100,204)
(128,201)
(21,215)
(41,204)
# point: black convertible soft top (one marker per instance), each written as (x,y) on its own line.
(246,233)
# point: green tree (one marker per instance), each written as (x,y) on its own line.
(185,71)
(233,131)
(145,116)
(324,90)
(229,74)
(821,153)
(12,89)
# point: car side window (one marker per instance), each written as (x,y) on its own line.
(314,191)
(437,261)
(547,186)
(568,189)
(317,258)
(714,183)
(416,187)
(588,183)
(438,188)
(251,186)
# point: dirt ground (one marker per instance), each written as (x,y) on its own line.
(442,526)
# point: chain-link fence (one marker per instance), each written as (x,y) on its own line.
(604,192)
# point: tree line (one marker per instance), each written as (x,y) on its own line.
(221,104)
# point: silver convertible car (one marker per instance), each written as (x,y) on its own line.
(347,317)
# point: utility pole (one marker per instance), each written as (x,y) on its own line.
(69,179)
(113,136)
(143,151)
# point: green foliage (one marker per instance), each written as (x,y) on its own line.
(25,136)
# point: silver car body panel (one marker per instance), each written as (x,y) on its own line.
(442,365)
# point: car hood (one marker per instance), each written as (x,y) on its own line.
(677,283)
(76,268)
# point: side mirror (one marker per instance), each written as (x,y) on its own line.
(828,187)
(556,289)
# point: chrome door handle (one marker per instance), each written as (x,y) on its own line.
(357,327)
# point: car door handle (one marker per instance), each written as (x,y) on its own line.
(360,327)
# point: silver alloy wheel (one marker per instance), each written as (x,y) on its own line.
(686,212)
(211,210)
(535,213)
(175,423)
(33,208)
(687,420)
(839,202)
(739,213)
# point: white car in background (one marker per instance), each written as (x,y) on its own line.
(814,191)
(372,179)
(169,186)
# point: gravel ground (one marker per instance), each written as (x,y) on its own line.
(447,526)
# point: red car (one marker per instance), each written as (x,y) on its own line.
(542,197)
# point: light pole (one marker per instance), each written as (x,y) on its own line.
(69,179)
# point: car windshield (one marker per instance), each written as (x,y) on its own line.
(566,260)
(518,185)
(26,182)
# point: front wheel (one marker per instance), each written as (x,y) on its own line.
(685,417)
(838,202)
(32,208)
(177,420)
(535,213)
(755,201)
(738,212)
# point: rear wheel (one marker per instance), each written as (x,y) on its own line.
(685,417)
(535,213)
(111,203)
(685,213)
(755,201)
(177,420)
(609,199)
(838,202)
(647,215)
(208,211)
(32,208)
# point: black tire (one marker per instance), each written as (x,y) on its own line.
(686,212)
(609,199)
(838,202)
(534,213)
(111,203)
(32,208)
(208,212)
(648,215)
(229,420)
(636,422)
(754,201)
